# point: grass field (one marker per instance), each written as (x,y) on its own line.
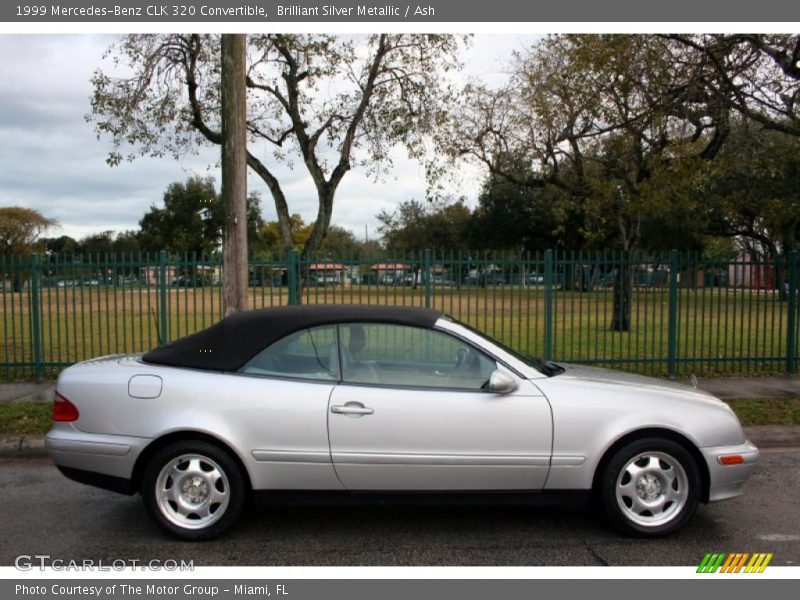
(25,418)
(35,418)
(719,330)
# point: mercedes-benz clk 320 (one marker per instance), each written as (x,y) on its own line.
(363,401)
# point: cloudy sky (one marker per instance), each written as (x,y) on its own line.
(51,160)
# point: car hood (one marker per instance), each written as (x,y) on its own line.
(612,377)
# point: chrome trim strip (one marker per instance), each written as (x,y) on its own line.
(370,458)
(568,461)
(305,456)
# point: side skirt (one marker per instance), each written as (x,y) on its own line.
(547,498)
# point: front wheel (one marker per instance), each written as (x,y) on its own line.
(650,487)
(193,490)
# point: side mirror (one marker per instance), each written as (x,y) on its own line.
(501,382)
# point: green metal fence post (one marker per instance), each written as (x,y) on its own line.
(292,269)
(548,304)
(791,316)
(163,312)
(426,276)
(36,318)
(672,317)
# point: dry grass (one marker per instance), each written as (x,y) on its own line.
(719,330)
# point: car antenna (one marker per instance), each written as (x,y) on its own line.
(158,329)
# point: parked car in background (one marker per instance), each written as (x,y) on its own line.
(188,281)
(493,279)
(323,280)
(442,281)
(370,401)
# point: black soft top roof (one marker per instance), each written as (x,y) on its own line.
(229,344)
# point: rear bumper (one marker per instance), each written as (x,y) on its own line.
(105,461)
(726,481)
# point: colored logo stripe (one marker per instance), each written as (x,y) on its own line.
(711,562)
(758,563)
(734,562)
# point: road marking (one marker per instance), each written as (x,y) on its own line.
(779,537)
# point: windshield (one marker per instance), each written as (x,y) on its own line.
(546,367)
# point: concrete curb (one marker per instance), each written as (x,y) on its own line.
(763,436)
(773,436)
(22,446)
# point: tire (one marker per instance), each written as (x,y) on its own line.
(193,490)
(650,487)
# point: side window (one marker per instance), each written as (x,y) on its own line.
(410,356)
(305,354)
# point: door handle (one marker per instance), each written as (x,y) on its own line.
(351,408)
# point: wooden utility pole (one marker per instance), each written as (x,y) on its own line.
(234,172)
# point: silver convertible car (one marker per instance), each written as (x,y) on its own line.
(363,401)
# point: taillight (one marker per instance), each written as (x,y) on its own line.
(63,409)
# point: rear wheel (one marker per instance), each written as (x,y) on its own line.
(193,490)
(650,487)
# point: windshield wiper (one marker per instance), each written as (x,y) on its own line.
(550,368)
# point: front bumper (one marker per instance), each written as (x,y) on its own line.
(101,460)
(726,481)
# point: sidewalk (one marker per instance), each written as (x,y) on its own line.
(735,388)
(27,392)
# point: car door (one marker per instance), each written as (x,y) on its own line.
(411,414)
(281,400)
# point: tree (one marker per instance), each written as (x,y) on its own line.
(19,229)
(611,121)
(97,243)
(511,216)
(338,241)
(333,102)
(757,75)
(270,241)
(752,193)
(61,245)
(104,242)
(191,220)
(414,226)
(126,242)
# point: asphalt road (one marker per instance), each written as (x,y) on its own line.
(44,513)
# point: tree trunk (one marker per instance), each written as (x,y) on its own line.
(623,292)
(234,172)
(325,195)
(279,198)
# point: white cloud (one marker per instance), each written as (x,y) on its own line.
(51,160)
